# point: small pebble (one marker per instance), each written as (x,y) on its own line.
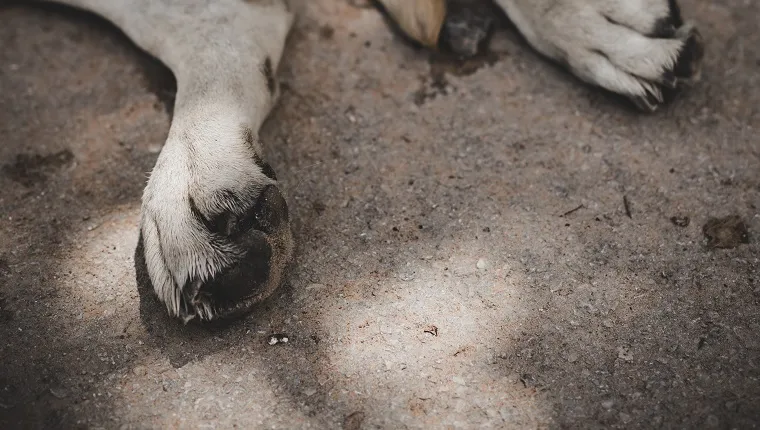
(624,353)
(481,264)
(680,220)
(506,414)
(406,276)
(607,404)
(277,338)
(59,393)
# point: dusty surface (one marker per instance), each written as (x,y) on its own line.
(443,277)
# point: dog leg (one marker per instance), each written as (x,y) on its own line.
(214,235)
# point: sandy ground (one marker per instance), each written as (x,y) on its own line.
(465,257)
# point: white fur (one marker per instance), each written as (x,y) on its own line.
(603,42)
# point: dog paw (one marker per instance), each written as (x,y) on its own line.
(639,49)
(215,235)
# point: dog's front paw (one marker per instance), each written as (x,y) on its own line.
(639,49)
(215,236)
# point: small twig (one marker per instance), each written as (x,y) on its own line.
(571,211)
(627,206)
(303,169)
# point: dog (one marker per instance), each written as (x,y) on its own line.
(215,236)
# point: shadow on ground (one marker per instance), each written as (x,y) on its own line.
(497,253)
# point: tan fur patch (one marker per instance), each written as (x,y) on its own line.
(419,19)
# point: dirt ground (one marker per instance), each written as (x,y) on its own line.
(504,249)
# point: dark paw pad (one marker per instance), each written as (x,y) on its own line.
(689,61)
(263,233)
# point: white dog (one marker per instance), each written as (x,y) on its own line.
(214,235)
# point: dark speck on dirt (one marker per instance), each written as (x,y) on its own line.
(5,312)
(318,207)
(680,220)
(442,65)
(326,32)
(32,169)
(353,421)
(5,269)
(728,232)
